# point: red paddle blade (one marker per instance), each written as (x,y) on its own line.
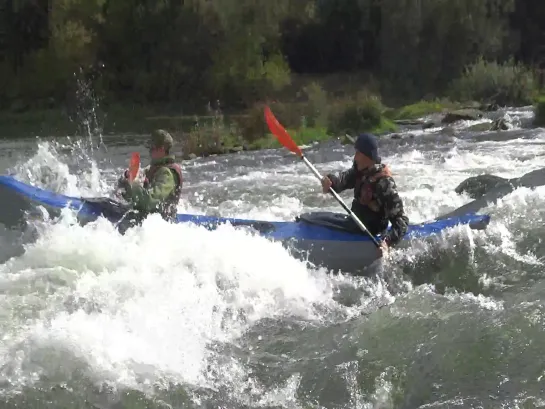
(134,166)
(281,134)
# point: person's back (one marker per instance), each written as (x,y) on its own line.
(162,187)
(376,200)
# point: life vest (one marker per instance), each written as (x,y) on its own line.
(168,207)
(365,192)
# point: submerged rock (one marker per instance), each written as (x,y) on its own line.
(462,115)
(500,124)
(429,124)
(409,122)
(482,127)
(478,186)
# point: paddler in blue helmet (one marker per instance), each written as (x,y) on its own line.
(376,200)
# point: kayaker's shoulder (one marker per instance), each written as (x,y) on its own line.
(387,185)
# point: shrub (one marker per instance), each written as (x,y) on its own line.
(252,126)
(539,111)
(213,135)
(503,84)
(364,113)
(317,109)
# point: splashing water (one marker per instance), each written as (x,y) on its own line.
(231,319)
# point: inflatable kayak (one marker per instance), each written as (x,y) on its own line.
(325,239)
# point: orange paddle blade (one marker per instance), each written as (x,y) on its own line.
(134,166)
(281,134)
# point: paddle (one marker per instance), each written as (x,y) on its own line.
(134,166)
(285,139)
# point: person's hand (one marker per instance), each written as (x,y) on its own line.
(326,184)
(123,180)
(383,249)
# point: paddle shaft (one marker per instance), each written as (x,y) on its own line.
(341,202)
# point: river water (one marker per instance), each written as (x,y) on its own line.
(175,316)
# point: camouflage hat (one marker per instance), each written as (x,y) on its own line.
(161,139)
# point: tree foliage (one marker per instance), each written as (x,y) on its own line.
(190,52)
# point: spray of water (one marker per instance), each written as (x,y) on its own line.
(144,309)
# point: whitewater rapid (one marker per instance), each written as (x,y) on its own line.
(148,309)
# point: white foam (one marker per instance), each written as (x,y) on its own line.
(145,307)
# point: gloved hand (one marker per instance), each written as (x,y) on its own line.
(123,181)
(384,249)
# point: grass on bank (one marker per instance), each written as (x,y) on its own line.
(422,108)
(302,136)
(217,133)
(315,115)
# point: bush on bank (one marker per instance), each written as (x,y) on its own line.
(539,111)
(508,84)
(315,115)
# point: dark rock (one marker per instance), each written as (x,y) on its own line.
(347,139)
(409,122)
(477,186)
(448,130)
(428,125)
(500,124)
(489,107)
(483,127)
(491,188)
(462,115)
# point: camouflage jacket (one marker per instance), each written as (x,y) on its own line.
(376,200)
(161,190)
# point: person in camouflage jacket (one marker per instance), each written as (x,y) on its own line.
(162,187)
(376,200)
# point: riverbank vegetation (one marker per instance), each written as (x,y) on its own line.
(204,69)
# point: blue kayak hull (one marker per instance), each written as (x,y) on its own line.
(319,238)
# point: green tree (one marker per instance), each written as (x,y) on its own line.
(427,43)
